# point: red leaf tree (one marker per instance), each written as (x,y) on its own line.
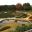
(19,6)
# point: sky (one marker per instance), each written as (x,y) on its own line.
(10,2)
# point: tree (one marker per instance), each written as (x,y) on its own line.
(19,6)
(26,6)
(12,7)
(7,7)
(31,7)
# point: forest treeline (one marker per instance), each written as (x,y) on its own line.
(18,6)
(9,10)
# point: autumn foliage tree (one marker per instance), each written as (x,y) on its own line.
(19,6)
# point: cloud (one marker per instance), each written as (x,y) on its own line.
(9,2)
